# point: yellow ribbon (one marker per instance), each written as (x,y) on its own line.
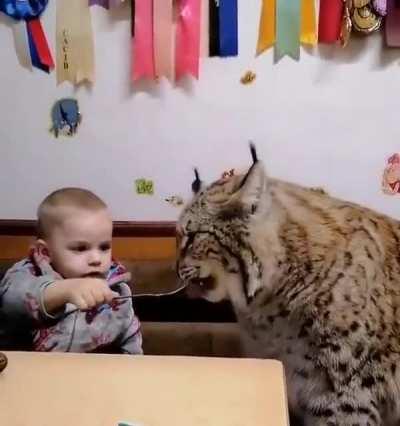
(74,38)
(308,29)
(266,33)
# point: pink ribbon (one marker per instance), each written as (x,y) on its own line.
(188,38)
(163,38)
(143,54)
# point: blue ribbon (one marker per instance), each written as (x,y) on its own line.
(26,10)
(228,27)
(23,9)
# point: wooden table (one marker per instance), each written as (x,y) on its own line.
(41,389)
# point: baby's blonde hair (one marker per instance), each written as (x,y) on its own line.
(49,213)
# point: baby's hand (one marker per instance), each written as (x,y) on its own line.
(87,293)
(84,293)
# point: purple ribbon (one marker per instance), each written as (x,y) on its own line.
(380,6)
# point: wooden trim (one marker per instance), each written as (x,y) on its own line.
(15,227)
(144,229)
(124,248)
(14,248)
(144,248)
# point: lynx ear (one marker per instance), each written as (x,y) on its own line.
(253,152)
(253,187)
(197,183)
(254,184)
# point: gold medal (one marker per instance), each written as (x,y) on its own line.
(360,3)
(365,20)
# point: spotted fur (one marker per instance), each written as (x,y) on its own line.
(314,281)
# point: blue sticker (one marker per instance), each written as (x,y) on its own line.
(65,117)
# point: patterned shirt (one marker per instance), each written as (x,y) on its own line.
(23,316)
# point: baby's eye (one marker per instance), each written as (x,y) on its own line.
(79,249)
(105,247)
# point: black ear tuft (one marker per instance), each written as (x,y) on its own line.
(196,184)
(253,152)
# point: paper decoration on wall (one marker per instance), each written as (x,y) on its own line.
(144,186)
(391,176)
(330,18)
(266,32)
(187,50)
(337,18)
(175,200)
(205,29)
(74,37)
(228,28)
(223,28)
(163,39)
(285,25)
(167,34)
(213,23)
(65,117)
(248,77)
(160,48)
(31,42)
(143,42)
(288,29)
(308,23)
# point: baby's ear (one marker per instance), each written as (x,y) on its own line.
(41,249)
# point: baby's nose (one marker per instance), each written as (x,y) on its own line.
(94,259)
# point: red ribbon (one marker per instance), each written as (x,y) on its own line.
(330,19)
(39,38)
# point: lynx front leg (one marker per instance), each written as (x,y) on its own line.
(344,409)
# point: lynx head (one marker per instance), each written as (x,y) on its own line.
(214,254)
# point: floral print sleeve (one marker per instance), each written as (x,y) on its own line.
(21,292)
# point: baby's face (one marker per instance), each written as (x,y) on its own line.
(81,245)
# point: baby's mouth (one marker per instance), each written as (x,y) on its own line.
(94,274)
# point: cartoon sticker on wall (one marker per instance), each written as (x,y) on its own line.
(248,78)
(65,117)
(391,176)
(144,186)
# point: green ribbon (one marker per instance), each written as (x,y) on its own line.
(287,29)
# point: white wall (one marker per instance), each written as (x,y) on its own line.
(330,120)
